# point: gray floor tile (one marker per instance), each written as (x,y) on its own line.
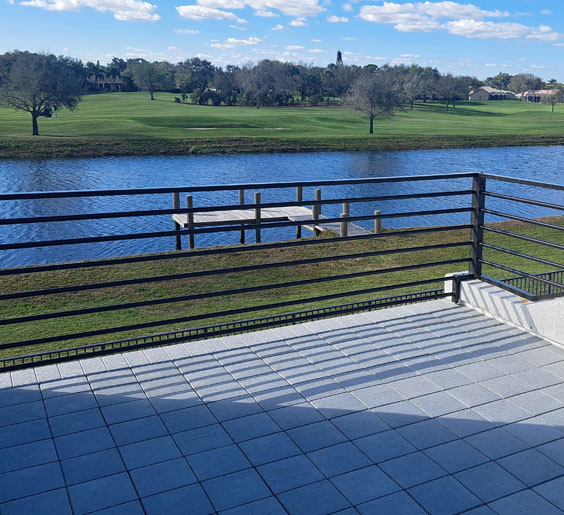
(401,413)
(85,442)
(22,413)
(101,493)
(92,466)
(138,430)
(440,403)
(496,443)
(432,496)
(316,436)
(296,415)
(534,431)
(456,456)
(552,491)
(13,396)
(507,386)
(261,507)
(489,481)
(269,448)
(426,434)
(412,469)
(536,403)
(378,396)
(27,455)
(191,497)
(289,473)
(524,503)
(554,450)
(474,394)
(30,481)
(502,411)
(363,485)
(465,423)
(202,439)
(48,503)
(188,418)
(130,411)
(398,503)
(149,452)
(415,387)
(158,478)
(128,508)
(359,424)
(315,499)
(69,403)
(339,459)
(235,489)
(384,446)
(218,462)
(253,426)
(531,467)
(338,405)
(76,422)
(235,408)
(25,432)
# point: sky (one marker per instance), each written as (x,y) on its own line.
(481,38)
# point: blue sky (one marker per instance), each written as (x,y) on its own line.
(480,38)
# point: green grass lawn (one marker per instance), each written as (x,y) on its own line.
(164,289)
(129,123)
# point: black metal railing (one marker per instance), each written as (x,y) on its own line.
(32,333)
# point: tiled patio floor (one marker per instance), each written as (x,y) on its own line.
(425,408)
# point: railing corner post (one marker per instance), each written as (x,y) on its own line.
(477,222)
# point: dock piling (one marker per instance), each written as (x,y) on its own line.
(176,205)
(190,205)
(299,198)
(257,215)
(377,222)
(316,212)
(242,203)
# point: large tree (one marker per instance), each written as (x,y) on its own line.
(524,82)
(39,83)
(376,92)
(151,76)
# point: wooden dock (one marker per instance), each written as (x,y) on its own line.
(279,214)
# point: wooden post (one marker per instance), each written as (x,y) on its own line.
(176,205)
(316,212)
(299,198)
(344,226)
(257,215)
(377,222)
(242,203)
(190,205)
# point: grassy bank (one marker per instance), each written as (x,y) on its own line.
(196,262)
(131,124)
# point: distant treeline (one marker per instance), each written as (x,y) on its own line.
(275,83)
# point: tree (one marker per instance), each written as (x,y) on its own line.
(39,83)
(150,76)
(376,93)
(263,81)
(556,96)
(339,61)
(524,82)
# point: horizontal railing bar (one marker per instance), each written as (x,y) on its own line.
(522,255)
(235,207)
(522,237)
(237,311)
(525,182)
(223,293)
(524,200)
(74,353)
(216,251)
(227,187)
(526,220)
(521,273)
(223,271)
(166,234)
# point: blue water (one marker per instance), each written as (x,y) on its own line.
(536,163)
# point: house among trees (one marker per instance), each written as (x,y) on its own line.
(536,95)
(104,83)
(487,93)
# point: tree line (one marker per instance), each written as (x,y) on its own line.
(40,84)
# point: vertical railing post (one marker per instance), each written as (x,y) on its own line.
(176,205)
(477,221)
(299,198)
(257,215)
(242,203)
(345,224)
(377,222)
(190,205)
(316,212)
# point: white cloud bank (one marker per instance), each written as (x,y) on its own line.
(123,10)
(465,20)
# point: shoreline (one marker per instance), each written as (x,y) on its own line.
(49,147)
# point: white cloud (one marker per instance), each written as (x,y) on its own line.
(295,8)
(538,66)
(200,12)
(299,22)
(233,42)
(278,27)
(337,19)
(294,47)
(266,14)
(237,27)
(186,31)
(465,20)
(350,38)
(173,48)
(546,11)
(347,7)
(123,10)
(414,56)
(317,51)
(315,40)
